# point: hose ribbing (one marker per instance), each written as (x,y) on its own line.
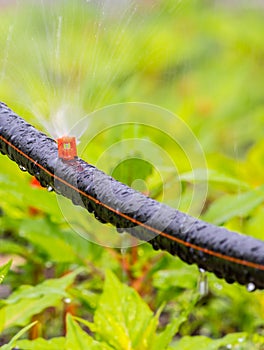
(229,255)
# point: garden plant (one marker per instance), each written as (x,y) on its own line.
(149,235)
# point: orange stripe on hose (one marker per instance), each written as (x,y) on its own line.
(135,221)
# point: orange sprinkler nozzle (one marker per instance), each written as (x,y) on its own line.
(67,149)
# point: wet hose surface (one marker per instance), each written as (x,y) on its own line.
(229,255)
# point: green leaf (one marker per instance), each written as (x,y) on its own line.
(254,225)
(231,339)
(41,344)
(86,296)
(257,339)
(28,301)
(56,286)
(230,206)
(164,338)
(66,245)
(4,270)
(200,175)
(41,232)
(41,199)
(192,343)
(132,169)
(22,195)
(78,339)
(10,247)
(204,343)
(182,278)
(86,323)
(122,318)
(12,342)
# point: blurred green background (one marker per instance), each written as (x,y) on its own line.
(201,60)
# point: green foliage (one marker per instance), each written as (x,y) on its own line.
(28,301)
(131,170)
(76,338)
(202,62)
(203,343)
(41,344)
(230,206)
(13,341)
(123,313)
(120,312)
(4,270)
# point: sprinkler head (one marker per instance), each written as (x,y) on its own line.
(67,149)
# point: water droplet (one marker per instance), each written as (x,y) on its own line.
(123,251)
(67,300)
(218,286)
(48,264)
(240,340)
(120,230)
(22,168)
(251,287)
(1,278)
(202,282)
(103,221)
(186,224)
(50,188)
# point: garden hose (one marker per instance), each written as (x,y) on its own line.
(229,255)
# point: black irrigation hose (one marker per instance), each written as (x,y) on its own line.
(227,254)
